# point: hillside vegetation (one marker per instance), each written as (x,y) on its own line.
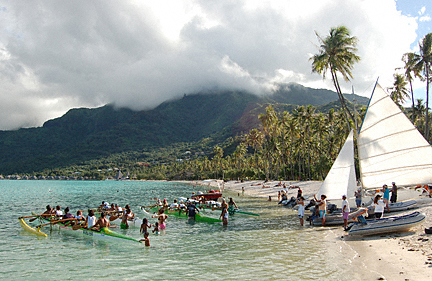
(110,135)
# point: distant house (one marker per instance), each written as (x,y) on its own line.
(119,175)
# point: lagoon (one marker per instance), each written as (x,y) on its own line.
(272,246)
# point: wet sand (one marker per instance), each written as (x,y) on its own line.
(397,256)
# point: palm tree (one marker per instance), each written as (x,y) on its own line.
(409,60)
(399,92)
(218,154)
(424,64)
(255,139)
(337,55)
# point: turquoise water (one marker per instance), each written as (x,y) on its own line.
(270,247)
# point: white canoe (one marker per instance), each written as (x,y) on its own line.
(402,206)
(387,225)
(423,201)
(337,219)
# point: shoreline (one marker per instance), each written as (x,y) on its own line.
(395,256)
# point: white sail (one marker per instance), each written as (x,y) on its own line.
(390,147)
(341,179)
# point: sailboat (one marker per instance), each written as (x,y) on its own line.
(341,180)
(391,149)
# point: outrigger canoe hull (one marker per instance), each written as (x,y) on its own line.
(30,229)
(182,214)
(104,233)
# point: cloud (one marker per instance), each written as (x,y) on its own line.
(55,56)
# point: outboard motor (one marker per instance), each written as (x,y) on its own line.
(311,204)
(331,208)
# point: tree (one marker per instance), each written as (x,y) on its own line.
(399,92)
(337,55)
(218,154)
(423,65)
(409,60)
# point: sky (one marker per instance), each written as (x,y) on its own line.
(58,55)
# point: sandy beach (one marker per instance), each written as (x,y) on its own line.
(397,256)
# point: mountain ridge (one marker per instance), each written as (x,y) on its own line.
(83,134)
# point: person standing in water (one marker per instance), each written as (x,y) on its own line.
(232,206)
(161,218)
(145,225)
(146,240)
(224,215)
(345,210)
(191,210)
(301,209)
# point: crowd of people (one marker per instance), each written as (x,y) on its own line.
(193,207)
(379,205)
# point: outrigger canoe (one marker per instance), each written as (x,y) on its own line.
(104,233)
(182,214)
(235,211)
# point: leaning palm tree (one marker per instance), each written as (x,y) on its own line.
(409,60)
(337,55)
(424,64)
(399,92)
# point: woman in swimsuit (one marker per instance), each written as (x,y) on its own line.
(224,215)
(161,217)
(232,206)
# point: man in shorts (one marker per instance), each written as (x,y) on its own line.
(322,207)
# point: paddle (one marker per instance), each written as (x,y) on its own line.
(29,216)
(78,226)
(33,219)
(56,222)
(113,218)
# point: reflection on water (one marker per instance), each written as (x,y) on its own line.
(269,247)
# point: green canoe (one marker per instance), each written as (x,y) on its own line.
(182,214)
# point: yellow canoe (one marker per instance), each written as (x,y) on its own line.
(30,229)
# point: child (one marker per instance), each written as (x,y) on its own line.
(144,226)
(146,240)
(156,228)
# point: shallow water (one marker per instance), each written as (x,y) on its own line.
(269,247)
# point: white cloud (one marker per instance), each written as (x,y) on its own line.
(422,10)
(55,56)
(425,18)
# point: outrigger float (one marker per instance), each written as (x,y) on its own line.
(103,233)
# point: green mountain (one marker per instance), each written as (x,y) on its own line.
(84,134)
